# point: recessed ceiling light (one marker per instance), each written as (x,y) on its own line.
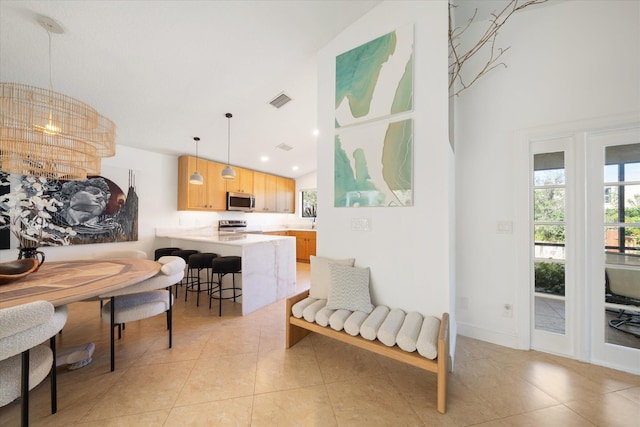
(264,159)
(315,132)
(295,168)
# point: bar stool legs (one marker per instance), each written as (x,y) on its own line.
(195,265)
(223,266)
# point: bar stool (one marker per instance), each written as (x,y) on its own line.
(160,252)
(195,265)
(184,254)
(222,266)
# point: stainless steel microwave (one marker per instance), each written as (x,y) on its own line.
(240,202)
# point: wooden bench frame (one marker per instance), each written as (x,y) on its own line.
(299,328)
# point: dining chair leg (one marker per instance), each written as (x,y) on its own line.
(113,325)
(170,320)
(24,409)
(54,377)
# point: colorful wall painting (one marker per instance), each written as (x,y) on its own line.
(373,165)
(375,80)
(96,209)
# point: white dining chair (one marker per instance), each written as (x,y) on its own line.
(143,300)
(24,361)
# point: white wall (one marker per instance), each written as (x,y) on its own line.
(408,248)
(569,61)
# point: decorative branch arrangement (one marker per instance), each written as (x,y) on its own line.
(457,59)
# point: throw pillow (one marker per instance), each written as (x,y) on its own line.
(349,288)
(319,286)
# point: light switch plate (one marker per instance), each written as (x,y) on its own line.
(360,224)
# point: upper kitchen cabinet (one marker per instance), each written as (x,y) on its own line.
(211,195)
(264,188)
(273,193)
(243,182)
(286,194)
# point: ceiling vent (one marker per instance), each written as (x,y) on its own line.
(284,147)
(280,100)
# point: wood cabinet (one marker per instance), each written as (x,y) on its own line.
(273,193)
(286,194)
(264,188)
(305,244)
(211,195)
(243,182)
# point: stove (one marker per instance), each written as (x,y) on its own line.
(232,225)
(226,226)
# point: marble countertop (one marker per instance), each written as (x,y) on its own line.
(210,236)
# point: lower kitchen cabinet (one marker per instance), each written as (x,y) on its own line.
(305,244)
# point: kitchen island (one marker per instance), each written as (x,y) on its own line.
(268,262)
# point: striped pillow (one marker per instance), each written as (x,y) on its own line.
(349,288)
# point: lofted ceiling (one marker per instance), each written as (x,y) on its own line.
(166,71)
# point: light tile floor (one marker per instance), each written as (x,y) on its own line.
(234,371)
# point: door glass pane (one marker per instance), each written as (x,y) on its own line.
(548,204)
(549,242)
(622,239)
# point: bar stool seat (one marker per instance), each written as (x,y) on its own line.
(222,266)
(184,254)
(198,262)
(160,252)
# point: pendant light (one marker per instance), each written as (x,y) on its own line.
(227,172)
(196,178)
(47,134)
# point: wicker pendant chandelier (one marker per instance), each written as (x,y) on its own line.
(47,134)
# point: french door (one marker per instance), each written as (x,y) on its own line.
(553,234)
(584,244)
(613,221)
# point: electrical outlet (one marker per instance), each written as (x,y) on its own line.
(507,310)
(504,227)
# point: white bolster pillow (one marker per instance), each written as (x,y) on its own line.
(388,332)
(427,344)
(310,312)
(322,316)
(353,322)
(299,307)
(171,265)
(408,334)
(337,319)
(369,329)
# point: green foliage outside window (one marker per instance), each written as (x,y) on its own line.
(549,278)
(309,203)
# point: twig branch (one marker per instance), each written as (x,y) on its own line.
(458,59)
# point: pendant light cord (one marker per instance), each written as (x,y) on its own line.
(50,73)
(228,138)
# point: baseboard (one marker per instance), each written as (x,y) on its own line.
(482,334)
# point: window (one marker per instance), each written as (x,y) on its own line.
(309,203)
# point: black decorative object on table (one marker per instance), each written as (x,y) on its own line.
(26,253)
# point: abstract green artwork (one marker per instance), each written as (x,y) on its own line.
(373,165)
(376,79)
(373,153)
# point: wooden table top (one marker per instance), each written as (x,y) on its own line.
(64,282)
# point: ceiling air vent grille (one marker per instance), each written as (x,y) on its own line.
(280,100)
(284,147)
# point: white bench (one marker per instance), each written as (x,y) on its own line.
(298,328)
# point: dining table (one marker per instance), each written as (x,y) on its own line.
(66,282)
